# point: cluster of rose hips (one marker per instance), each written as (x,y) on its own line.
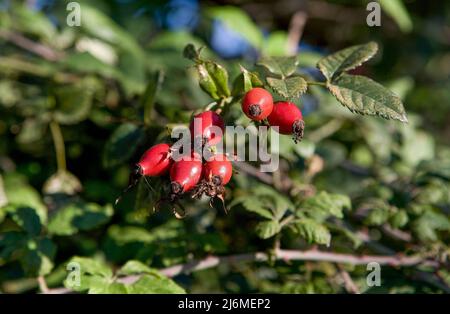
(190,172)
(199,176)
(258,105)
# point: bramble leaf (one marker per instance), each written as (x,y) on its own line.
(267,229)
(312,231)
(291,87)
(282,66)
(347,59)
(367,97)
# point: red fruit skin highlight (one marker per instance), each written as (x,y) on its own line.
(284,115)
(155,161)
(185,174)
(218,165)
(208,119)
(257,104)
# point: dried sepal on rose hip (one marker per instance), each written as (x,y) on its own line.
(257,104)
(217,172)
(288,118)
(154,162)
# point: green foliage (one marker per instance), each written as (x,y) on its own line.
(345,60)
(77,217)
(122,144)
(364,96)
(97,277)
(116,85)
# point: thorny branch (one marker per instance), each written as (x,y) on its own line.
(283,255)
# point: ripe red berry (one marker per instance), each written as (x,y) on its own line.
(257,104)
(218,170)
(185,174)
(155,161)
(205,123)
(288,118)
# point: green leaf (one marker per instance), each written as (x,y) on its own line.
(73,102)
(435,168)
(150,284)
(206,82)
(245,82)
(291,87)
(122,144)
(95,275)
(79,217)
(105,287)
(267,229)
(148,98)
(397,10)
(257,206)
(220,77)
(135,268)
(239,21)
(365,96)
(34,22)
(399,219)
(241,84)
(62,182)
(377,215)
(92,266)
(26,218)
(282,66)
(33,129)
(347,59)
(19,193)
(312,231)
(38,256)
(100,25)
(428,224)
(10,243)
(323,205)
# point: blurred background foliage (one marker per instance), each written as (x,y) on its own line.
(78,106)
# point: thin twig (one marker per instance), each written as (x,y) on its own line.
(296,27)
(284,255)
(287,183)
(349,284)
(42,284)
(37,48)
(58,141)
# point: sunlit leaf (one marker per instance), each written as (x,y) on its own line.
(345,60)
(365,96)
(267,229)
(282,66)
(291,87)
(122,144)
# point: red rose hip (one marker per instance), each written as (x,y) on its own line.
(155,161)
(288,118)
(203,125)
(185,174)
(218,170)
(257,104)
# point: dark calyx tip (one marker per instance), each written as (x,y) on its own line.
(176,188)
(298,129)
(216,180)
(135,175)
(254,110)
(211,188)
